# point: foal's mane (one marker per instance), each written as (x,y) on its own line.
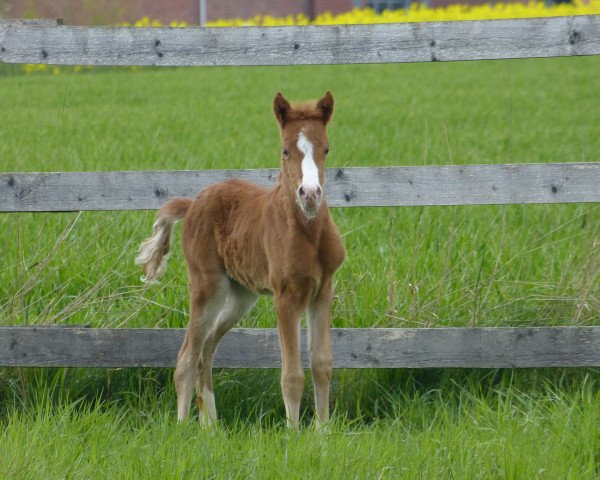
(305,111)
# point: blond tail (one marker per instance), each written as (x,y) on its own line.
(153,252)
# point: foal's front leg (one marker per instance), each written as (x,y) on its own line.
(290,306)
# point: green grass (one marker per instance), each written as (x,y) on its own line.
(432,266)
(454,432)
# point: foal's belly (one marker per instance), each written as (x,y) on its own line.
(248,281)
(246,264)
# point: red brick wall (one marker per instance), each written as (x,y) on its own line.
(107,12)
(333,6)
(277,8)
(104,12)
(110,12)
(248,8)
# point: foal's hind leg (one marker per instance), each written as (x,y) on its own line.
(238,301)
(207,297)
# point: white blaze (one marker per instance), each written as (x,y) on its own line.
(310,172)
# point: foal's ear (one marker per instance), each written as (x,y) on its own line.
(326,106)
(282,108)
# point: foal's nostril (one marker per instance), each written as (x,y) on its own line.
(318,191)
(301,192)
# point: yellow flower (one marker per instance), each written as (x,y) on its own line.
(417,12)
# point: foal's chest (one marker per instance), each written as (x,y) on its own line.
(262,264)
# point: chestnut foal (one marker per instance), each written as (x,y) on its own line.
(241,240)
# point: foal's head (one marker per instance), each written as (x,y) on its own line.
(304,147)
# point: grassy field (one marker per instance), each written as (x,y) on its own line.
(452,433)
(432,266)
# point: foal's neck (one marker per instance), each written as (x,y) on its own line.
(296,219)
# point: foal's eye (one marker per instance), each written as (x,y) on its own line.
(326,150)
(286,152)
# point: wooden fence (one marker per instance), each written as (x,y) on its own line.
(302,45)
(35,41)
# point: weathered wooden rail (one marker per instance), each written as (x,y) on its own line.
(346,187)
(352,347)
(46,42)
(301,45)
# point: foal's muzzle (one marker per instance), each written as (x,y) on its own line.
(309,198)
